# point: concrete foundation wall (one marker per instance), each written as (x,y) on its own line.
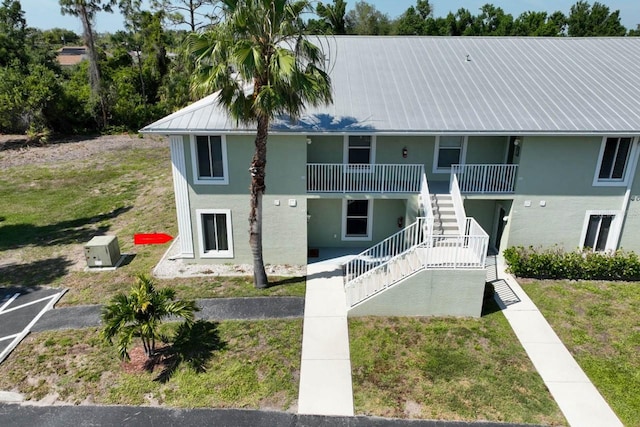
(429,293)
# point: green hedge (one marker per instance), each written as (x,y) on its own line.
(555,263)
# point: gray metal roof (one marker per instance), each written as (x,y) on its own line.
(427,85)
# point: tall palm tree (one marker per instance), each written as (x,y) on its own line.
(263,67)
(140,313)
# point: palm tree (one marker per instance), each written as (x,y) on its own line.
(140,314)
(263,67)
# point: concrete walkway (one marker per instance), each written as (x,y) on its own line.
(578,399)
(325,372)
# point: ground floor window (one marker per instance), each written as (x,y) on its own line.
(216,237)
(599,231)
(356,223)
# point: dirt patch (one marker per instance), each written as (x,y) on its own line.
(16,151)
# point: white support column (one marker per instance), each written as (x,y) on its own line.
(181,190)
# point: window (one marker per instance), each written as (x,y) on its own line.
(359,150)
(613,163)
(357,219)
(210,160)
(450,150)
(600,230)
(214,228)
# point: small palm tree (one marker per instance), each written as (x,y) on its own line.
(264,67)
(140,313)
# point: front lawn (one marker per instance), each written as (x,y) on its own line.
(245,365)
(448,369)
(599,322)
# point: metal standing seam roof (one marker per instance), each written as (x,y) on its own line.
(471,85)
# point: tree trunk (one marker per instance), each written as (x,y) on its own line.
(95,78)
(257,188)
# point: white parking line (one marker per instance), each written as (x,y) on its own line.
(27,304)
(8,337)
(19,337)
(16,295)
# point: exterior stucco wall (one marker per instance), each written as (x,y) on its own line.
(325,223)
(284,226)
(325,149)
(557,172)
(429,293)
(630,239)
(486,149)
(483,211)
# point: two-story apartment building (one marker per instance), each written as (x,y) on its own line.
(435,150)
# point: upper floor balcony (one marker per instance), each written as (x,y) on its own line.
(364,178)
(486,179)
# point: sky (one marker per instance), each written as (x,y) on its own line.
(45,14)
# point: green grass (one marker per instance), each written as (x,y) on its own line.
(599,322)
(446,368)
(251,365)
(51,210)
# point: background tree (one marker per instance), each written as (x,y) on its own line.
(193,13)
(13,33)
(140,314)
(591,21)
(333,16)
(494,22)
(539,24)
(365,19)
(86,10)
(260,42)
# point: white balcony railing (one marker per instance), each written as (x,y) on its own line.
(458,204)
(363,178)
(485,178)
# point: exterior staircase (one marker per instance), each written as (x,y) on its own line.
(444,215)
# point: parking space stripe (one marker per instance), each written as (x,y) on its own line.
(28,304)
(9,337)
(53,299)
(16,295)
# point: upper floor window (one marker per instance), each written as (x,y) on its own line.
(359,150)
(450,150)
(614,161)
(210,160)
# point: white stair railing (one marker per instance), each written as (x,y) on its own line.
(458,204)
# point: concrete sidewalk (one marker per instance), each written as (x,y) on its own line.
(325,372)
(578,399)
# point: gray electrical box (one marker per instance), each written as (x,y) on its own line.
(102,251)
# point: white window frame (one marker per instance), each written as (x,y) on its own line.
(224,180)
(614,232)
(345,154)
(369,235)
(436,154)
(597,182)
(214,254)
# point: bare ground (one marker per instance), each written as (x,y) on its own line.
(15,150)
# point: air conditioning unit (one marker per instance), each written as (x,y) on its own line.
(102,251)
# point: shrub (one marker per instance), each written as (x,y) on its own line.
(555,263)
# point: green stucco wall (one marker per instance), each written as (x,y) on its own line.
(325,224)
(486,149)
(630,239)
(284,226)
(559,172)
(325,149)
(429,293)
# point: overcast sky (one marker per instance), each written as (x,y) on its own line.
(45,14)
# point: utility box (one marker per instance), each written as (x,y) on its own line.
(102,251)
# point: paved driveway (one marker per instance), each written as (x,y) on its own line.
(20,309)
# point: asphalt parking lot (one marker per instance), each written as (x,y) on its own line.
(20,309)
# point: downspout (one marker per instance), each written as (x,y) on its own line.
(627,196)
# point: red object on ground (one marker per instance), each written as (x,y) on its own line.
(151,239)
